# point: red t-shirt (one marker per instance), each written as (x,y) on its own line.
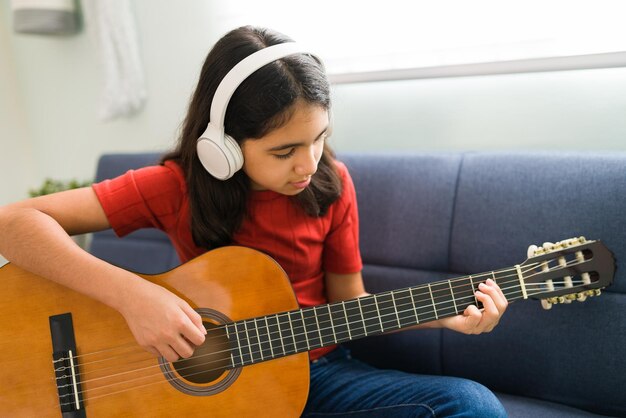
(304,246)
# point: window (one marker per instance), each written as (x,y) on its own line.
(363,40)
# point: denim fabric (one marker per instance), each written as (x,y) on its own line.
(345,387)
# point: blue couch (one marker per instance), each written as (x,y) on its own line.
(430,216)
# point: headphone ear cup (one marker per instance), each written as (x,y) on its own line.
(214,158)
(236,153)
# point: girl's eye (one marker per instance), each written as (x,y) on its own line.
(284,156)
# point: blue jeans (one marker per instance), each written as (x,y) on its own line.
(345,387)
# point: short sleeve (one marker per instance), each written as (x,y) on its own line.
(341,246)
(143,198)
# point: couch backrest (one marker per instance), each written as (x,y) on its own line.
(429,216)
(457,214)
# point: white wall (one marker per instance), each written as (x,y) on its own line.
(51,89)
(568,110)
(16,154)
(59,87)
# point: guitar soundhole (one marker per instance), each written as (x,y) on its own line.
(209,370)
(209,361)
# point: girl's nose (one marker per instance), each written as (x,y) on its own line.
(306,164)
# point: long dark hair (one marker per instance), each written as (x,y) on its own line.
(262,103)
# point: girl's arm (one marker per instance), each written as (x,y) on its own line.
(34,234)
(472,321)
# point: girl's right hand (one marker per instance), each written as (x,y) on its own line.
(161,322)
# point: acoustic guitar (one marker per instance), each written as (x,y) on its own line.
(64,354)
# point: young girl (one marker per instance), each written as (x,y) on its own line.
(291,200)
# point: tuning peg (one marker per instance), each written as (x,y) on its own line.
(547,247)
(545,304)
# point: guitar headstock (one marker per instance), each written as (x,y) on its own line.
(569,270)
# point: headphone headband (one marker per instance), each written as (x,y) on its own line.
(219,153)
(243,70)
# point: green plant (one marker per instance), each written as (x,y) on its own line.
(52,186)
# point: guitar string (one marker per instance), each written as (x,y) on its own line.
(459,279)
(305,332)
(399,300)
(241,332)
(393,313)
(167,379)
(383,318)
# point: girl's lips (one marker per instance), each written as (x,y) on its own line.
(301,184)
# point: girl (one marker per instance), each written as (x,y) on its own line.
(291,200)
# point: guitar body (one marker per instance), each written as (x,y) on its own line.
(118,378)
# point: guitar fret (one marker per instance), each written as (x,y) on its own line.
(269,337)
(340,324)
(356,328)
(433,300)
(404,307)
(258,337)
(443,296)
(280,333)
(473,290)
(423,303)
(311,328)
(293,334)
(299,332)
(465,296)
(362,316)
(229,334)
(319,330)
(417,321)
(244,345)
(347,320)
(456,309)
(276,340)
(384,302)
(395,308)
(372,320)
(325,326)
(382,328)
(232,360)
(332,326)
(308,346)
(513,291)
(253,341)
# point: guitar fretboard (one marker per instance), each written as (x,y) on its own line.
(267,337)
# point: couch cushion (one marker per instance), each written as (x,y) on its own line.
(524,407)
(506,202)
(405,207)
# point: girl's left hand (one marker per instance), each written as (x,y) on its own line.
(474,320)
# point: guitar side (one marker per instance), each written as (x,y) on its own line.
(234,281)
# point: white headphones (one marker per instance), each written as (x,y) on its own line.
(219,153)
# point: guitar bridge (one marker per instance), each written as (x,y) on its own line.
(65,364)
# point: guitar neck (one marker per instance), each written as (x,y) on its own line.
(267,337)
